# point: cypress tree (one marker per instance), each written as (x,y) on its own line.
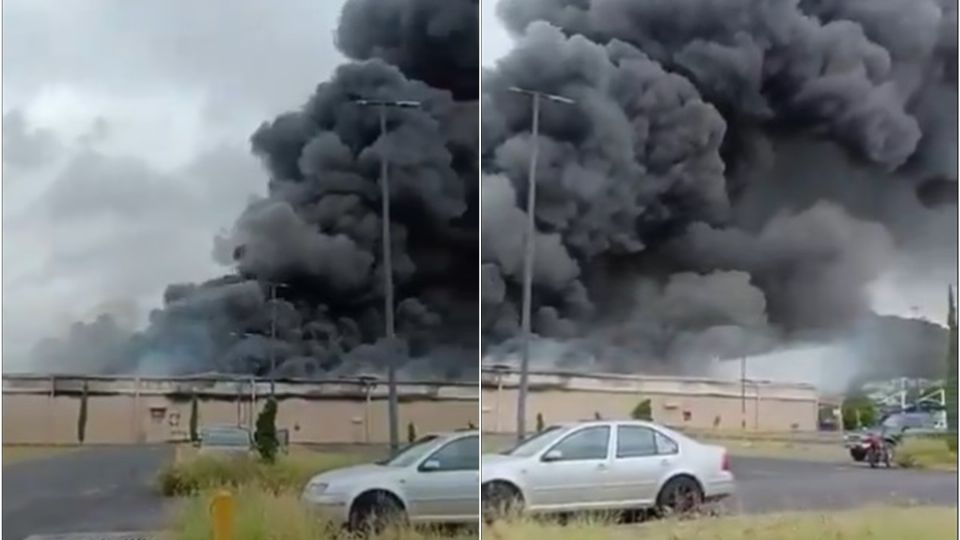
(266,434)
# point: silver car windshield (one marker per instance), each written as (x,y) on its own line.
(536,443)
(411,454)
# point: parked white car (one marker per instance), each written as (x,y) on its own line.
(434,480)
(605,465)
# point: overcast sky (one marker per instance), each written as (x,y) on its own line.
(125,143)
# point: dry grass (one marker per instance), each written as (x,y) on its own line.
(873,524)
(261,516)
(192,473)
(17,454)
(925,453)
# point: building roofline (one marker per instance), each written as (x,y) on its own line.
(488,369)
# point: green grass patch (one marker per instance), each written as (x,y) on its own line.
(260,516)
(887,523)
(192,473)
(926,453)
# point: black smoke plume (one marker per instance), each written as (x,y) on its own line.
(318,232)
(731,180)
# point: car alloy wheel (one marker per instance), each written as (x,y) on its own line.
(500,501)
(375,512)
(680,496)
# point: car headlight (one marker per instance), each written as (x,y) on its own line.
(316,488)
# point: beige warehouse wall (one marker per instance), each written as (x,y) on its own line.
(39,419)
(701,411)
(126,419)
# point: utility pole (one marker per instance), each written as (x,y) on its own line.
(393,403)
(528,252)
(743,392)
(272,286)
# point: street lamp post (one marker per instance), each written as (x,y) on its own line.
(537,97)
(393,408)
(743,392)
(273,286)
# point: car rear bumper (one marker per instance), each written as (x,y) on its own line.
(720,488)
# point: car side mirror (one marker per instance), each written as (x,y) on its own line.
(553,455)
(430,465)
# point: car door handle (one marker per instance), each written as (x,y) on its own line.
(602,466)
(664,462)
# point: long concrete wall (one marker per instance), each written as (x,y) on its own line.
(679,402)
(45,410)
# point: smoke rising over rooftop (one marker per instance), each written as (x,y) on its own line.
(732,179)
(318,230)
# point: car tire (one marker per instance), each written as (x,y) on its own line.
(501,501)
(680,496)
(376,511)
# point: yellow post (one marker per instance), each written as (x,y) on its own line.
(221,512)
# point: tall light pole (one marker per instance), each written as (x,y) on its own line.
(537,97)
(743,392)
(393,407)
(272,286)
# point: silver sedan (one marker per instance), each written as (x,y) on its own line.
(605,465)
(431,481)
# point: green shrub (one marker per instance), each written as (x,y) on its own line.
(540,425)
(926,453)
(643,411)
(265,436)
(288,473)
(858,412)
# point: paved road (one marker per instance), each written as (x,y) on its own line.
(110,489)
(91,490)
(766,485)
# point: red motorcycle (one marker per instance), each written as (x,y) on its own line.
(879,450)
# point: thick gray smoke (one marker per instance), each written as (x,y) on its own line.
(731,180)
(318,232)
